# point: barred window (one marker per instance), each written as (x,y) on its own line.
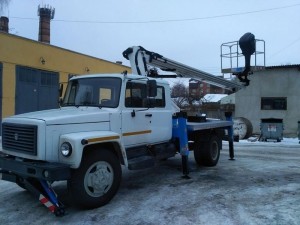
(273,103)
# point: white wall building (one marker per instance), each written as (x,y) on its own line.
(272,93)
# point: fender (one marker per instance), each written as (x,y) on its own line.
(80,140)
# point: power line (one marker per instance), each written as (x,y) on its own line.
(286,47)
(167,20)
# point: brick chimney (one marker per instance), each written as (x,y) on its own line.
(46,14)
(4,24)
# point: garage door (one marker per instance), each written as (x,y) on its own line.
(35,90)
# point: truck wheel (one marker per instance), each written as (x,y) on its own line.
(207,153)
(97,180)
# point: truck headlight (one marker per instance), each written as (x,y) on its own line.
(66,149)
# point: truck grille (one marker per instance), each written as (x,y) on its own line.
(19,138)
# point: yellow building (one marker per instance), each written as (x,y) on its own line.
(30,73)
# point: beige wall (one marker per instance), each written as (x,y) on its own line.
(8,89)
(16,50)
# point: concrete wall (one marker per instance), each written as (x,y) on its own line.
(230,99)
(273,82)
(15,50)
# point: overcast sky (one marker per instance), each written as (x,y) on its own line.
(190,31)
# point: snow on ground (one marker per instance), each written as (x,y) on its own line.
(284,142)
(261,186)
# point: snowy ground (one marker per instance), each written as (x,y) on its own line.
(262,186)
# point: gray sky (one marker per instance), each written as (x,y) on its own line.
(190,31)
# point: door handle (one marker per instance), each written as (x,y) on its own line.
(148,115)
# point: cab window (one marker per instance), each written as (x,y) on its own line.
(136,96)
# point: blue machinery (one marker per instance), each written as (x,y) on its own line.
(40,189)
(180,132)
(228,116)
(45,194)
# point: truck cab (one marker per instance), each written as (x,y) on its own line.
(114,113)
(97,109)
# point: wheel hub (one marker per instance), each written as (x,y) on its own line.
(98,179)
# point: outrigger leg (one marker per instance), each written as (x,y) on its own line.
(228,116)
(180,132)
(46,195)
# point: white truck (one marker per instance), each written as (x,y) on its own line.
(107,121)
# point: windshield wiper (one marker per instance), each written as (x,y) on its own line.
(88,105)
(78,105)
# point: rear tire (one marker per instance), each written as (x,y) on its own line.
(207,153)
(97,180)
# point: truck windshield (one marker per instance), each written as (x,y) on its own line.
(97,91)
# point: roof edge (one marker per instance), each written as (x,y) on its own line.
(297,66)
(57,47)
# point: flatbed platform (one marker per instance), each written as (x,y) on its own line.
(209,124)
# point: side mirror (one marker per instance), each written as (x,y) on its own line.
(151,88)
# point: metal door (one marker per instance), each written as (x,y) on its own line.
(35,90)
(48,95)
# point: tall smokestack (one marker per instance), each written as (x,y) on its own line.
(46,14)
(4,24)
(3,19)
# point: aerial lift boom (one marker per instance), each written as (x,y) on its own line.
(139,58)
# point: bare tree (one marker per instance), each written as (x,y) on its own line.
(3,5)
(179,90)
(180,94)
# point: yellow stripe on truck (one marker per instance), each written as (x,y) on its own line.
(137,133)
(109,138)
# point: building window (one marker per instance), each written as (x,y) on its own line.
(274,103)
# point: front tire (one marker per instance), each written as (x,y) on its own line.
(97,180)
(207,153)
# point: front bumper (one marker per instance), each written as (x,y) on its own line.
(49,171)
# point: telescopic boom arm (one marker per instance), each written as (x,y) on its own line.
(139,59)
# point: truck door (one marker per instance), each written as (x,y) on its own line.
(161,118)
(141,124)
(136,119)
